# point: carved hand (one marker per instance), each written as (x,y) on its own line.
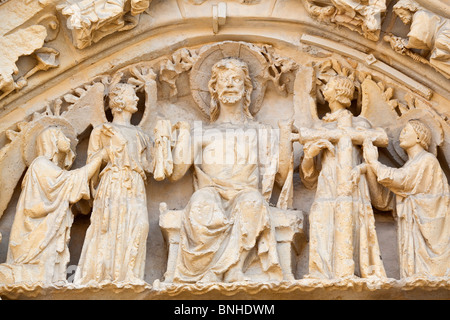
(143,77)
(357,172)
(398,44)
(182,125)
(313,148)
(99,157)
(370,152)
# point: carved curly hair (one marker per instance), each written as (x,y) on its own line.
(116,102)
(224,64)
(344,88)
(423,132)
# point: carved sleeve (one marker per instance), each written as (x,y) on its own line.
(95,145)
(398,180)
(381,197)
(48,187)
(309,173)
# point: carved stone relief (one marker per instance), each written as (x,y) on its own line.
(218,250)
(91,20)
(364,17)
(428,33)
(24,42)
(38,247)
(222,165)
(422,203)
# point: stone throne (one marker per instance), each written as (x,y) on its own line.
(289,231)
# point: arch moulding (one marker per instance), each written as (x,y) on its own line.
(59,60)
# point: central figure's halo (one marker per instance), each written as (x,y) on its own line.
(210,55)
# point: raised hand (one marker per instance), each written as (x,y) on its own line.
(370,152)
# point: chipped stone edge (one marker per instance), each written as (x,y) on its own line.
(163,290)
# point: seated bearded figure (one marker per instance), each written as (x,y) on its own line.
(228,217)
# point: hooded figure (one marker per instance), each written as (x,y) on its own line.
(38,246)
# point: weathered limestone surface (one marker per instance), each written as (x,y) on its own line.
(178,149)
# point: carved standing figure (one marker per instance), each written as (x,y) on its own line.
(228,217)
(423,203)
(115,246)
(343,239)
(38,246)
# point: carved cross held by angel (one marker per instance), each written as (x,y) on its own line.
(339,140)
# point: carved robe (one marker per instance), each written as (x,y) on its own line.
(432,32)
(38,245)
(423,210)
(323,176)
(228,213)
(115,246)
(92,20)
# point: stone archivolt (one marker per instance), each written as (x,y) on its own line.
(300,114)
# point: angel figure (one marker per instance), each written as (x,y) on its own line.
(343,240)
(227,217)
(38,246)
(114,249)
(423,203)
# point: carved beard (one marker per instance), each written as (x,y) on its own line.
(226,98)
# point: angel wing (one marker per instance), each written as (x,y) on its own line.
(86,109)
(305,104)
(377,108)
(380,113)
(12,166)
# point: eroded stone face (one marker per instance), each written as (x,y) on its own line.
(173,147)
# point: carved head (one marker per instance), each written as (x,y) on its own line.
(51,143)
(405,9)
(341,89)
(122,97)
(415,132)
(230,83)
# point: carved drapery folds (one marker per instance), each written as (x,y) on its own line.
(325,139)
(225,164)
(90,20)
(428,32)
(364,17)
